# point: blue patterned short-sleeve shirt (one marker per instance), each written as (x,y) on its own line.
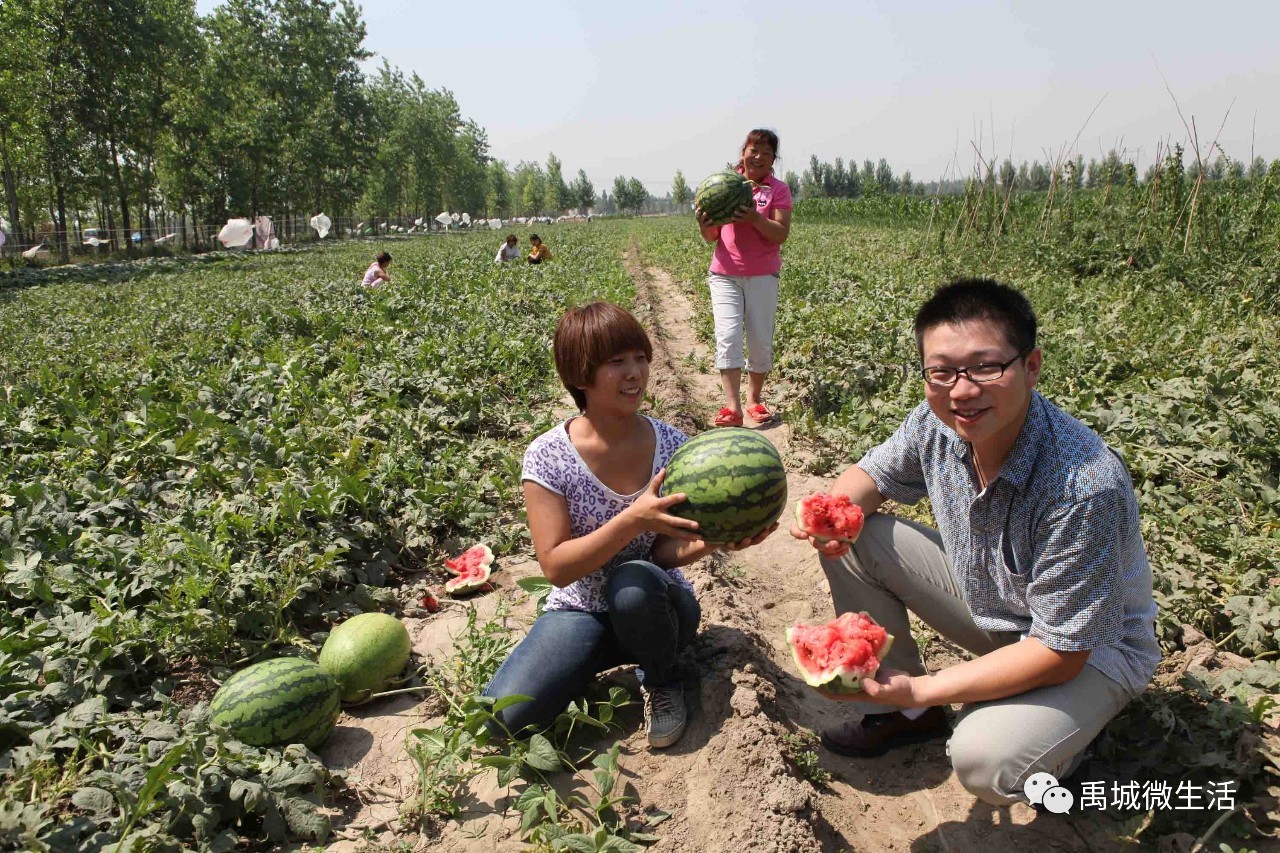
(553,462)
(1052,548)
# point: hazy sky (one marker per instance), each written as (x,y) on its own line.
(643,89)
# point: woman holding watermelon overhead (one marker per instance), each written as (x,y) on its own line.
(604,537)
(744,278)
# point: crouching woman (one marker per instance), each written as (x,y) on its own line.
(605,538)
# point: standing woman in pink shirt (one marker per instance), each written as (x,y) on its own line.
(744,277)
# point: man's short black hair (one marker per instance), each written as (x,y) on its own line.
(979,299)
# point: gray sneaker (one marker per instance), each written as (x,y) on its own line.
(664,714)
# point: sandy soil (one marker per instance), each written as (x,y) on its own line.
(727,784)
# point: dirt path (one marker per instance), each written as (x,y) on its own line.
(727,784)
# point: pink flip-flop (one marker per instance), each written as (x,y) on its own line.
(760,413)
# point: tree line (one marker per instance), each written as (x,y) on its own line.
(138,115)
(836,180)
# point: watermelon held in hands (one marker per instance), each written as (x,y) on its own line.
(472,569)
(826,517)
(722,194)
(278,702)
(365,653)
(838,655)
(734,483)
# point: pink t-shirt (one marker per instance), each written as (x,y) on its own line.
(741,249)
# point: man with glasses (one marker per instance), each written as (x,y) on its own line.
(1037,565)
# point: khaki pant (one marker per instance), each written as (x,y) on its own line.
(898,565)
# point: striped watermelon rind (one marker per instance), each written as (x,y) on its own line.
(278,702)
(722,194)
(469,581)
(734,482)
(365,653)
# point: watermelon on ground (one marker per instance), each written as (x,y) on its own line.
(471,570)
(278,702)
(365,653)
(734,483)
(470,559)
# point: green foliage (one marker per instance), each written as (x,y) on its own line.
(801,749)
(472,739)
(125,781)
(1174,371)
(206,461)
(629,194)
(681,195)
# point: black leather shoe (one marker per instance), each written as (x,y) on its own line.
(876,734)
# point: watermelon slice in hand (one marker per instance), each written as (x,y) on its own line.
(826,517)
(472,569)
(838,655)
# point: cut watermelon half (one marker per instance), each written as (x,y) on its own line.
(471,568)
(826,517)
(838,655)
(468,560)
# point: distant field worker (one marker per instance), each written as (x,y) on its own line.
(744,278)
(377,272)
(538,251)
(509,250)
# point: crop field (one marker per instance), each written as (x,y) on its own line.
(211,461)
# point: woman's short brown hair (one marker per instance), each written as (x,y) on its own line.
(589,335)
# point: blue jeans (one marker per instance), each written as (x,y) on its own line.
(650,619)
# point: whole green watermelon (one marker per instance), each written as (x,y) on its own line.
(364,653)
(278,702)
(733,480)
(721,194)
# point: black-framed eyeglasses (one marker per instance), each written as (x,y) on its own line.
(990,371)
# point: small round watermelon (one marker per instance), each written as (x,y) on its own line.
(278,702)
(734,483)
(365,653)
(722,194)
(824,516)
(471,568)
(838,655)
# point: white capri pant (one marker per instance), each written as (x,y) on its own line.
(744,303)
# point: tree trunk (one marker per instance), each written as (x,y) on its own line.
(10,179)
(111,226)
(64,231)
(121,190)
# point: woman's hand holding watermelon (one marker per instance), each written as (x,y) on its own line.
(649,512)
(747,214)
(755,540)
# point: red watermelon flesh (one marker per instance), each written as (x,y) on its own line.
(839,654)
(469,581)
(468,561)
(825,517)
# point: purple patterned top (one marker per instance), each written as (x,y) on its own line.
(553,463)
